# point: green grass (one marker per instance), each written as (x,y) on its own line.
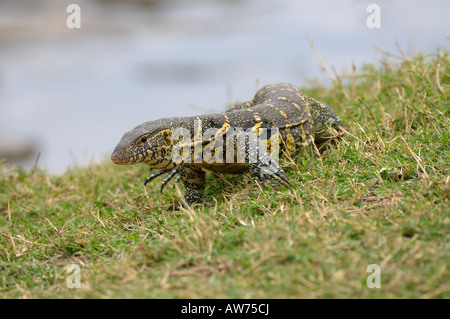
(381,196)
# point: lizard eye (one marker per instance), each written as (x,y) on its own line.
(144,139)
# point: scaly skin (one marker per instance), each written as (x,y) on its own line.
(297,121)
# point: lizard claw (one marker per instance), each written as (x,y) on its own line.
(269,172)
(170,174)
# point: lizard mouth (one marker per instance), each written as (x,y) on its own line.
(118,160)
(118,157)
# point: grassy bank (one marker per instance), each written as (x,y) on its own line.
(379,197)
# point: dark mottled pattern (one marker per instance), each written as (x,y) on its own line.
(298,120)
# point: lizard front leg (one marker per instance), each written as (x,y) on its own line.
(261,165)
(194,182)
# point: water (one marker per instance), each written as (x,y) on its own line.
(76,91)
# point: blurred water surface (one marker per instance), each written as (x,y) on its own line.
(74,92)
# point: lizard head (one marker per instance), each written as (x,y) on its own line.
(149,142)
